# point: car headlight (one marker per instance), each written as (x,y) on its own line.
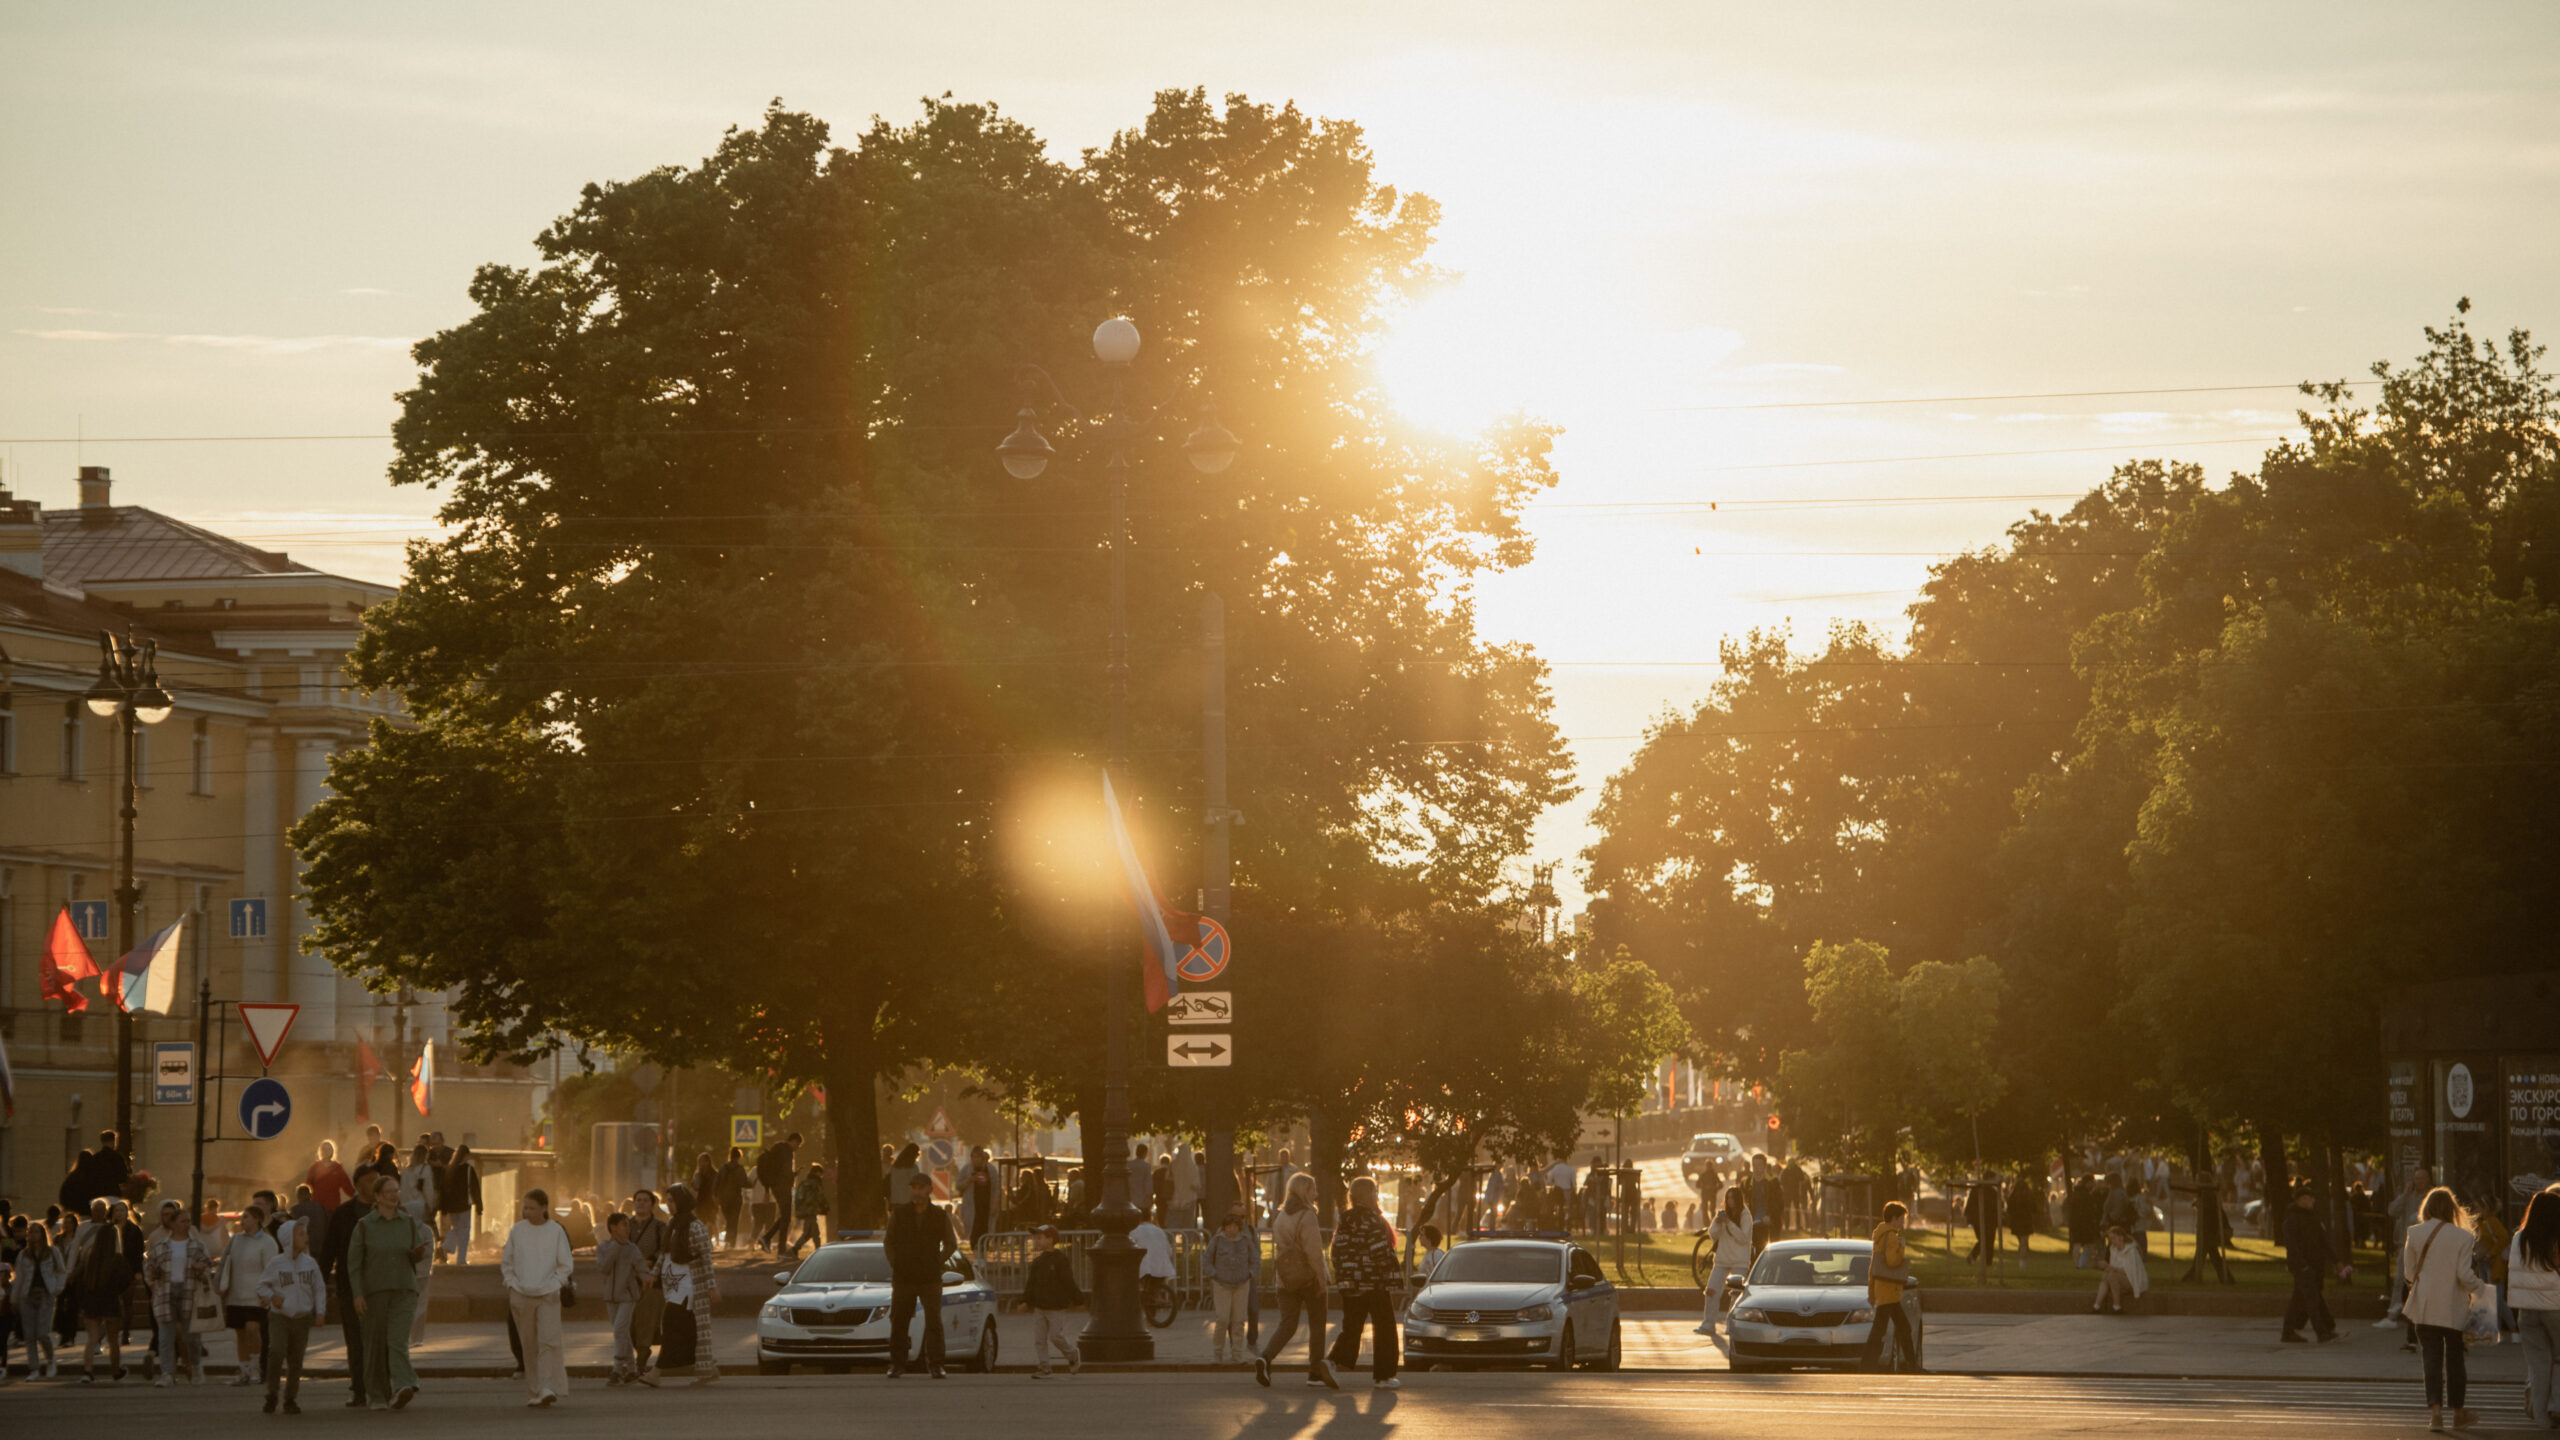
(774,1310)
(1537,1312)
(1752,1315)
(1860,1316)
(1420,1312)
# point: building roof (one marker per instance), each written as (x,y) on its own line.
(128,542)
(27,601)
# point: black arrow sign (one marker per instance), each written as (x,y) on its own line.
(1186,1050)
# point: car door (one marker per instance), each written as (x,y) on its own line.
(960,1310)
(1593,1306)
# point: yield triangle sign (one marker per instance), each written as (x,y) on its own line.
(267,1025)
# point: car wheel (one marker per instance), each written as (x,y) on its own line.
(1564,1350)
(984,1362)
(1607,1364)
(772,1367)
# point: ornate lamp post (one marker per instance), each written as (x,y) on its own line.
(1118,1331)
(128,691)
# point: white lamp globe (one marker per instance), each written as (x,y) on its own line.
(1115,341)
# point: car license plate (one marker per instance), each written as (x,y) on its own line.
(1481,1332)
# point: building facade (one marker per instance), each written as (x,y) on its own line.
(251,646)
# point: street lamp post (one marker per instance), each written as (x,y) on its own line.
(128,691)
(1118,1331)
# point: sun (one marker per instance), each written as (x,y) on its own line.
(1449,362)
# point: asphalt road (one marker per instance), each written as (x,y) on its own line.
(1225,1407)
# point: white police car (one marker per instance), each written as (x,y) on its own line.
(1805,1303)
(833,1310)
(1540,1302)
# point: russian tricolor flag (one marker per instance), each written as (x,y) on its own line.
(1152,930)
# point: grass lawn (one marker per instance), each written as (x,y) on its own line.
(1663,1259)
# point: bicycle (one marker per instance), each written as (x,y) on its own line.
(1157,1300)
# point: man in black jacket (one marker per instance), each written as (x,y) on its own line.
(776,1169)
(333,1268)
(919,1243)
(2307,1255)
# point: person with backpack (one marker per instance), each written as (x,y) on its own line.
(100,1276)
(776,1169)
(809,1201)
(1364,1268)
(2437,1261)
(1888,1270)
(1049,1291)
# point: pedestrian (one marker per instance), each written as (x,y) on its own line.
(809,1201)
(2533,1289)
(978,1194)
(2492,1236)
(2308,1256)
(1186,1190)
(776,1169)
(2125,1277)
(1364,1268)
(289,1292)
(689,1246)
(2437,1259)
(101,1273)
(1297,1248)
(1158,1201)
(2116,1209)
(1888,1270)
(1233,1258)
(2397,1220)
(1431,1250)
(38,1276)
(332,1255)
(533,1266)
(2024,1213)
(1049,1292)
(179,1271)
(458,1203)
(306,1208)
(620,1268)
(706,1190)
(648,1236)
(908,1164)
(2081,1221)
(1729,1246)
(920,1245)
(236,1277)
(328,1179)
(732,1184)
(384,1255)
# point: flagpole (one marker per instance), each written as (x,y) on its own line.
(204,1081)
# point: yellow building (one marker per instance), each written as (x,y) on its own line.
(251,646)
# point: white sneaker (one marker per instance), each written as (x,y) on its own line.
(1386,1384)
(2387,1322)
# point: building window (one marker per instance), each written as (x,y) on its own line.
(200,763)
(74,764)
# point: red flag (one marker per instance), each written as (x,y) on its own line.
(422,1080)
(66,961)
(368,1069)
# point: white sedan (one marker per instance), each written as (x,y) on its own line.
(833,1310)
(1536,1302)
(1806,1304)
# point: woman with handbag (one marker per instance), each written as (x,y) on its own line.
(2436,1257)
(180,1273)
(2533,1292)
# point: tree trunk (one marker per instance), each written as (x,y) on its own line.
(1441,1185)
(852,1069)
(2278,1191)
(1324,1157)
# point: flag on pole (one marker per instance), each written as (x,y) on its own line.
(147,978)
(422,1080)
(66,962)
(1152,932)
(368,1070)
(8,1083)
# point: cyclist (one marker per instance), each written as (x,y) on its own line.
(1155,1263)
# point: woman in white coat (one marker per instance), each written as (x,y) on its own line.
(2533,1292)
(1729,1237)
(2436,1258)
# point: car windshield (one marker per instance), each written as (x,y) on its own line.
(1482,1264)
(1811,1267)
(844,1265)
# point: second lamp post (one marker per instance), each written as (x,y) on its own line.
(1118,1331)
(128,691)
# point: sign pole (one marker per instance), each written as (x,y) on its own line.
(1218,1187)
(204,1061)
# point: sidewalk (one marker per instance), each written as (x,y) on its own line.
(2142,1345)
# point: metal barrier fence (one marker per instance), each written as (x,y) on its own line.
(1004,1261)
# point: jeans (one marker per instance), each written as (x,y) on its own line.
(2308,1304)
(1716,1276)
(619,1312)
(1230,1301)
(1049,1329)
(35,1324)
(457,1235)
(288,1337)
(170,1339)
(1378,1310)
(2541,1346)
(780,1230)
(904,1297)
(2448,1382)
(1294,1300)
(546,1366)
(386,1344)
(1891,1317)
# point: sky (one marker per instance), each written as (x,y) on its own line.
(232,221)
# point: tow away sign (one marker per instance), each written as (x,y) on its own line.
(1199,1051)
(1201,1007)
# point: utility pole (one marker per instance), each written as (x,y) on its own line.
(1219,1188)
(204,1079)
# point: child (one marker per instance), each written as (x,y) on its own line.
(2126,1276)
(1233,1258)
(1050,1292)
(620,1261)
(289,1292)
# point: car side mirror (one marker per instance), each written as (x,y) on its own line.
(781,1277)
(1582,1282)
(951,1278)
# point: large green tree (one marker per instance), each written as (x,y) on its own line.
(742,657)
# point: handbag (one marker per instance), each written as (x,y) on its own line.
(568,1292)
(2480,1321)
(204,1312)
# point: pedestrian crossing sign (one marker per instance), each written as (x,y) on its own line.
(747,1130)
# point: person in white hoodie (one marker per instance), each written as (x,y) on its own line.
(1731,1236)
(2533,1292)
(2436,1258)
(289,1292)
(534,1265)
(235,1277)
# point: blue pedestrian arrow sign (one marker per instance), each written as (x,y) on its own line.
(264,1108)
